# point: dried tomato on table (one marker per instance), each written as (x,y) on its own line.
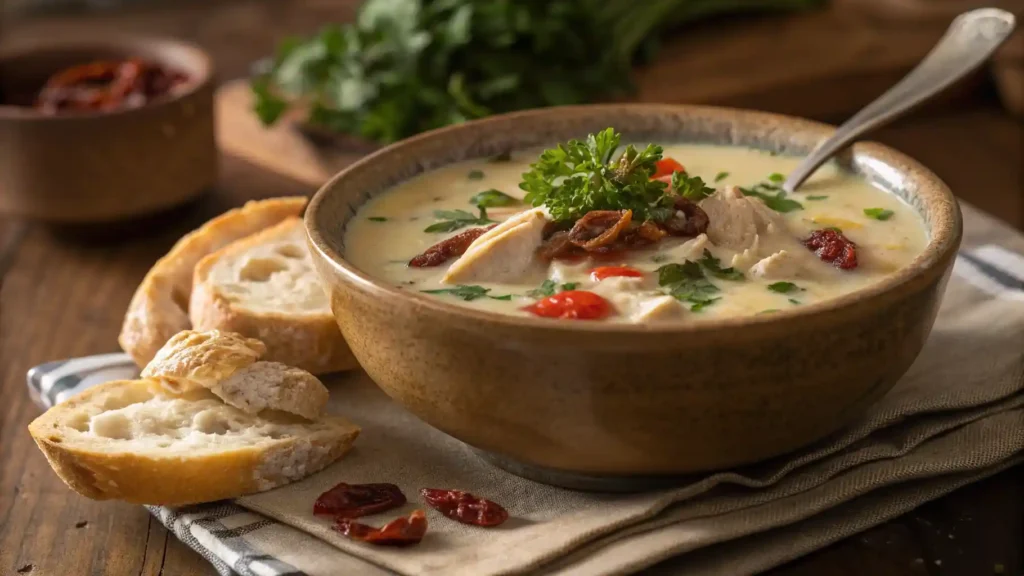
(403,531)
(355,500)
(571,305)
(448,248)
(831,246)
(465,507)
(107,85)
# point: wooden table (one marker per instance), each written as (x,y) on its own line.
(63,293)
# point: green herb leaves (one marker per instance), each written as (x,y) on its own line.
(686,282)
(812,197)
(579,176)
(549,288)
(468,293)
(721,176)
(772,194)
(452,220)
(377,219)
(492,199)
(691,188)
(784,287)
(714,267)
(878,213)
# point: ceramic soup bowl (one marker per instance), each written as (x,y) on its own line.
(597,405)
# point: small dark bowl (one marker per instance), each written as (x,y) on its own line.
(103,166)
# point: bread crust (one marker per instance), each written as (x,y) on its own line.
(192,359)
(158,309)
(176,479)
(312,342)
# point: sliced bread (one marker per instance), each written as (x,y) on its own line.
(264,286)
(136,441)
(159,308)
(272,385)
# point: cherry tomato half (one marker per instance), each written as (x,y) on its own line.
(573,305)
(602,272)
(665,167)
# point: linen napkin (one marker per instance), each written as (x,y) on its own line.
(956,417)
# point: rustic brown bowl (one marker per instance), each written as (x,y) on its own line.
(590,404)
(104,166)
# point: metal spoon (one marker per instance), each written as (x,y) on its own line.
(971,39)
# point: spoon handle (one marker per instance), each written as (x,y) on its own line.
(970,40)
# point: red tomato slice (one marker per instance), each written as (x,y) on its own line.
(665,167)
(602,272)
(572,305)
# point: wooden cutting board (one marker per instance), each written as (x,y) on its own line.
(824,64)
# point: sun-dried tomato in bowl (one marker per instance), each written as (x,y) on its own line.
(107,85)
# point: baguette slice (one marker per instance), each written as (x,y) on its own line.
(133,440)
(159,308)
(265,287)
(192,359)
(272,385)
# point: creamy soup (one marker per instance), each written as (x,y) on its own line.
(750,249)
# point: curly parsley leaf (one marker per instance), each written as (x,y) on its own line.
(579,176)
(714,266)
(492,199)
(468,293)
(878,213)
(686,282)
(452,220)
(691,188)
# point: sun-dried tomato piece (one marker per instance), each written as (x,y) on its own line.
(106,85)
(571,305)
(403,531)
(831,246)
(355,500)
(448,248)
(599,228)
(465,507)
(602,272)
(687,220)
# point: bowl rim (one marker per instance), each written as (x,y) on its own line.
(945,233)
(117,41)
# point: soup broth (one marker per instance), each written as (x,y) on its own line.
(761,251)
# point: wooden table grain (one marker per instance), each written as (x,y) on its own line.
(63,293)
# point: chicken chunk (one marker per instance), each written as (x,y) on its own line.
(692,249)
(637,303)
(778,266)
(503,254)
(736,220)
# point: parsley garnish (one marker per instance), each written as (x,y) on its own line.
(817,197)
(691,188)
(878,213)
(686,282)
(776,177)
(377,219)
(492,199)
(452,220)
(475,175)
(714,266)
(548,288)
(784,287)
(721,176)
(468,293)
(776,201)
(794,301)
(579,176)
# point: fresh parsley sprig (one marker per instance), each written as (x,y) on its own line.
(692,188)
(686,282)
(579,176)
(452,220)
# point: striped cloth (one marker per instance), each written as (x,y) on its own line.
(237,540)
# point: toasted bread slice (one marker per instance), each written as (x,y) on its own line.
(274,386)
(159,308)
(191,359)
(134,440)
(265,287)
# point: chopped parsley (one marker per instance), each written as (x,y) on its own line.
(776,177)
(468,293)
(579,176)
(817,197)
(691,188)
(452,220)
(769,311)
(492,199)
(721,176)
(794,301)
(686,282)
(776,201)
(548,288)
(784,287)
(475,175)
(377,219)
(878,213)
(714,266)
